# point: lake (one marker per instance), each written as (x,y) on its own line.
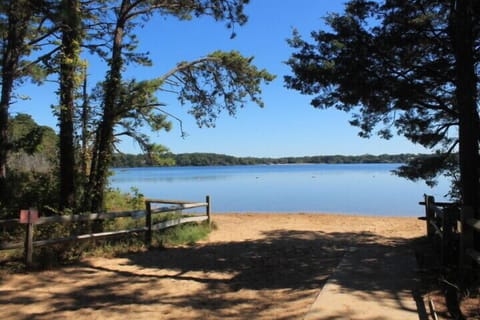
(369,189)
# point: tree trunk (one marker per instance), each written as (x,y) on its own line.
(85,133)
(18,17)
(100,163)
(466,97)
(71,38)
(105,134)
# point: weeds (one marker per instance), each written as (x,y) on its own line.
(188,233)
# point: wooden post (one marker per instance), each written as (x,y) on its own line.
(28,217)
(29,244)
(148,223)
(207,200)
(466,240)
(449,222)
(430,215)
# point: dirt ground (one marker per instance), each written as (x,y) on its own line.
(254,266)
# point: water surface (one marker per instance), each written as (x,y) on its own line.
(338,188)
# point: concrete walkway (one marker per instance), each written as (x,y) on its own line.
(374,283)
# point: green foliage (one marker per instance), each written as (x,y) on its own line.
(26,190)
(188,233)
(213,159)
(115,200)
(34,147)
(31,176)
(392,65)
(220,81)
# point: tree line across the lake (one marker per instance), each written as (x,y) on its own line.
(121,160)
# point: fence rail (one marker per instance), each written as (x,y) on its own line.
(176,205)
(451,227)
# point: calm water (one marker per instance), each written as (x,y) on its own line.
(340,188)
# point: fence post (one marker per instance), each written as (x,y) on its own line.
(466,239)
(29,244)
(449,223)
(148,223)
(207,200)
(430,215)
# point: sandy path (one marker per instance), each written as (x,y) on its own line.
(268,266)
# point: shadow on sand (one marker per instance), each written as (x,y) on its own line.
(265,278)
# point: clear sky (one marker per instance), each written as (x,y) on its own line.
(287,126)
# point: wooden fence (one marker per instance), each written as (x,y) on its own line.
(150,209)
(452,229)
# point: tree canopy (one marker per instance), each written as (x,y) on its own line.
(394,65)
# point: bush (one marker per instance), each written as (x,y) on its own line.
(26,190)
(115,200)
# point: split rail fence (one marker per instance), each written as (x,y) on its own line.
(452,230)
(151,209)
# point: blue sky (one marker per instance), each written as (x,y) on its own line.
(287,126)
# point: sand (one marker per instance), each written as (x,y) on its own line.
(254,266)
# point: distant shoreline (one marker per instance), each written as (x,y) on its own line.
(213,159)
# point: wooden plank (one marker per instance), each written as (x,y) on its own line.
(179,207)
(174,222)
(475,255)
(90,217)
(99,235)
(168,201)
(474,223)
(440,204)
(11,245)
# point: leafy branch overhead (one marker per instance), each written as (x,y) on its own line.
(222,80)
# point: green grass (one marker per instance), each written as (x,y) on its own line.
(187,233)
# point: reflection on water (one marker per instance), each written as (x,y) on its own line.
(352,188)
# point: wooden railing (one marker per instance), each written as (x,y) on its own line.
(150,209)
(451,227)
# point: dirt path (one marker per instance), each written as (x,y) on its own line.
(268,266)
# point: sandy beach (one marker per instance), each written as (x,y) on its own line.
(253,266)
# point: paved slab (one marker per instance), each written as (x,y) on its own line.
(374,283)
